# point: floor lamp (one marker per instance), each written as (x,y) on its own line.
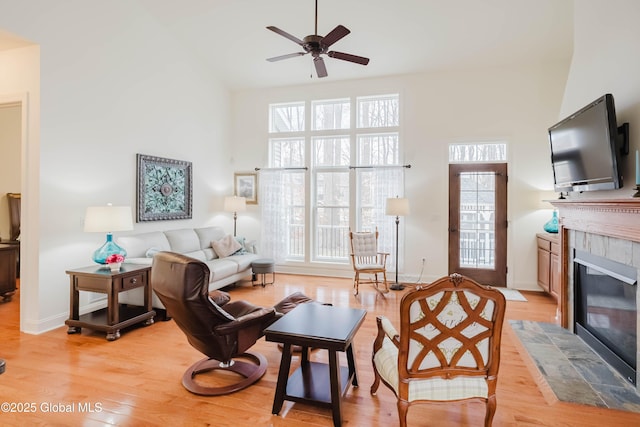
(397,207)
(235,204)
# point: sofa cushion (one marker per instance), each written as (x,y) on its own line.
(137,245)
(226,246)
(221,268)
(183,241)
(199,255)
(209,254)
(151,252)
(206,235)
(243,261)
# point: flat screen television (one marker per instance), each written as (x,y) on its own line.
(586,147)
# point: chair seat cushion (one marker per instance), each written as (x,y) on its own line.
(438,389)
(369,266)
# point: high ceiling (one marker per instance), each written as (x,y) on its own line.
(404,36)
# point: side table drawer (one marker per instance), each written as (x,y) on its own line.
(131,282)
(92,284)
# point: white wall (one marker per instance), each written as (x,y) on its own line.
(516,105)
(111,86)
(10,144)
(606,60)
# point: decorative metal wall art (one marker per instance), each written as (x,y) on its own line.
(164,189)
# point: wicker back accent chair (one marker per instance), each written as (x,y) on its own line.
(221,330)
(448,347)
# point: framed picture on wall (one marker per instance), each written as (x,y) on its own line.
(246,185)
(164,190)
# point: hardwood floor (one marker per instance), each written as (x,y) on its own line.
(71,380)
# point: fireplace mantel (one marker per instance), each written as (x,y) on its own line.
(618,218)
(608,217)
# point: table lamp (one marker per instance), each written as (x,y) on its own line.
(108,219)
(235,204)
(397,207)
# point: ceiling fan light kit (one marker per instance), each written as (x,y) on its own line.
(317,45)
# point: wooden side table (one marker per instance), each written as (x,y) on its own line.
(322,327)
(114,317)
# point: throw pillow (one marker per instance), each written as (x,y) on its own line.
(242,249)
(225,246)
(151,252)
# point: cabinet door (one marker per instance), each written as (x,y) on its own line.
(544,269)
(8,260)
(554,278)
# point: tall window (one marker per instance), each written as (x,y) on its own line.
(329,175)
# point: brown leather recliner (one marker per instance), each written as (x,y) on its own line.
(223,335)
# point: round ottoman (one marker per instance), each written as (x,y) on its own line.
(261,267)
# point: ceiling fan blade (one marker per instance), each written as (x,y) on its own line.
(336,34)
(348,57)
(287,56)
(285,34)
(321,69)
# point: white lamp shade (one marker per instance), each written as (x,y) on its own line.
(397,206)
(108,218)
(235,204)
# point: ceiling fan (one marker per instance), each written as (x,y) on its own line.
(317,45)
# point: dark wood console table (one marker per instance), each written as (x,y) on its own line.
(321,327)
(114,317)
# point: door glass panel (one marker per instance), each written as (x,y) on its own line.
(477,220)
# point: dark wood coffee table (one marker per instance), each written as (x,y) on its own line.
(320,327)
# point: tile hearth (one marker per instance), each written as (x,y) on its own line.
(571,370)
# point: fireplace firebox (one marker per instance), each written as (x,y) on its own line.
(605,311)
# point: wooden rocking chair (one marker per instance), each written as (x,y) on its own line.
(366,259)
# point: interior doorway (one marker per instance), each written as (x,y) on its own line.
(478,221)
(11,137)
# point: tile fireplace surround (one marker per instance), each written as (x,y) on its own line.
(608,228)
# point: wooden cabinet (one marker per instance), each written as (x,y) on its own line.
(115,316)
(8,262)
(549,263)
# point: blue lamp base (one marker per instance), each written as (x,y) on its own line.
(109,248)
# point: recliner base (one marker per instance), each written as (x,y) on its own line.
(252,371)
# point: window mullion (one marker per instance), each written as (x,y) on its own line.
(309,187)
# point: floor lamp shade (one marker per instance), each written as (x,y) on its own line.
(235,204)
(397,207)
(107,219)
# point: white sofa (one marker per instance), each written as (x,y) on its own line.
(193,242)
